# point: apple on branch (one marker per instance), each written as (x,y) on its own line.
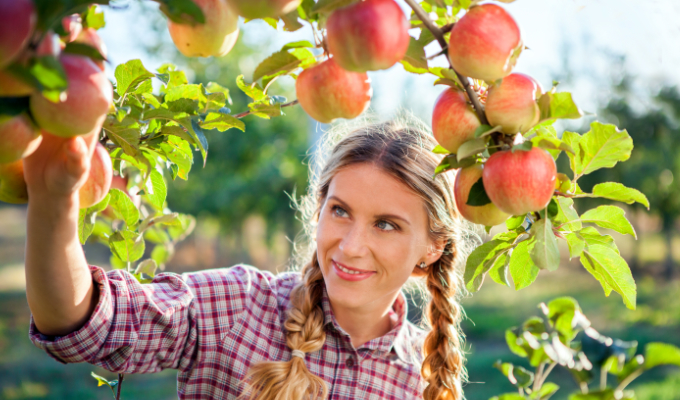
(485,43)
(73,25)
(368,35)
(17,21)
(454,121)
(326,92)
(520,181)
(88,98)
(488,214)
(90,37)
(19,138)
(99,178)
(512,103)
(215,37)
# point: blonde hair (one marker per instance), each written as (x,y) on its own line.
(402,148)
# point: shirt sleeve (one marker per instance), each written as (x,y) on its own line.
(145,328)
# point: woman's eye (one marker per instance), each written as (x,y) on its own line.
(385,226)
(338,211)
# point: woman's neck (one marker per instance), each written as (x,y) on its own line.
(366,323)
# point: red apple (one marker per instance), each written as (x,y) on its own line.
(17,20)
(50,45)
(368,35)
(90,37)
(326,92)
(73,25)
(511,103)
(18,138)
(521,181)
(99,179)
(453,120)
(488,214)
(251,9)
(89,96)
(12,185)
(215,37)
(485,43)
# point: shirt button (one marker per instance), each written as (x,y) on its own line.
(350,362)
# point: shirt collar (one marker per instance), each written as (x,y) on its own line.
(399,338)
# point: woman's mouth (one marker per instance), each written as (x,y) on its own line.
(350,274)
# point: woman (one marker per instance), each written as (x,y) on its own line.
(337,329)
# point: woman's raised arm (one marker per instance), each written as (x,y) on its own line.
(59,285)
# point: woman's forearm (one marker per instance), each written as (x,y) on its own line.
(59,286)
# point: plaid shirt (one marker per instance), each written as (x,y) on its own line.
(212,325)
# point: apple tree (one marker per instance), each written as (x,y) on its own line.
(495,126)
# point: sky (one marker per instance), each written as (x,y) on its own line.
(585,36)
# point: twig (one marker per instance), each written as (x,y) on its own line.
(439,35)
(447,28)
(120,381)
(629,379)
(243,114)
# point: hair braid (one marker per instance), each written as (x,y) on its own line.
(279,380)
(443,366)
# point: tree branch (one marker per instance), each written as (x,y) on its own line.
(439,35)
(243,114)
(120,381)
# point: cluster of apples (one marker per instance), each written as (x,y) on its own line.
(80,110)
(485,44)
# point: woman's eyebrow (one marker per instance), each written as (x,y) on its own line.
(381,216)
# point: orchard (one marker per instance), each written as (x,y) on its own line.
(495,127)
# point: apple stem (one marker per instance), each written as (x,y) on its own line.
(439,35)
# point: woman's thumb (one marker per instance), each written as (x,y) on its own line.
(77,160)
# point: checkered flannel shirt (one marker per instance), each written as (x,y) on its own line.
(213,325)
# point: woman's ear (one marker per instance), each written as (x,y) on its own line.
(435,251)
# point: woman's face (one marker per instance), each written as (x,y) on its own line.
(372,233)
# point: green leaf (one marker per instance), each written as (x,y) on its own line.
(591,236)
(522,268)
(438,149)
(612,271)
(182,11)
(291,22)
(661,354)
(618,192)
(130,75)
(179,152)
(94,18)
(471,147)
(222,122)
(327,6)
(127,246)
(148,267)
(265,109)
(511,339)
(546,390)
(477,195)
(50,75)
(87,217)
(127,139)
(451,162)
(83,49)
(566,213)
(414,60)
(254,91)
(508,396)
(576,244)
(486,130)
(602,147)
(606,394)
(499,270)
(610,217)
(564,314)
(281,62)
(156,190)
(572,139)
(213,87)
(480,261)
(190,99)
(160,254)
(124,207)
(515,222)
(545,253)
(558,105)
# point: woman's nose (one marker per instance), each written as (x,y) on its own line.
(355,241)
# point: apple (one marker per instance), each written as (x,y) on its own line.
(73,25)
(453,120)
(215,37)
(88,98)
(99,178)
(521,181)
(368,35)
(326,92)
(17,21)
(90,37)
(13,86)
(485,43)
(251,9)
(50,45)
(488,214)
(12,185)
(512,103)
(18,138)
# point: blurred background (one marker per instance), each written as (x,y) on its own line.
(620,60)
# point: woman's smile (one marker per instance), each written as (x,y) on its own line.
(351,274)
